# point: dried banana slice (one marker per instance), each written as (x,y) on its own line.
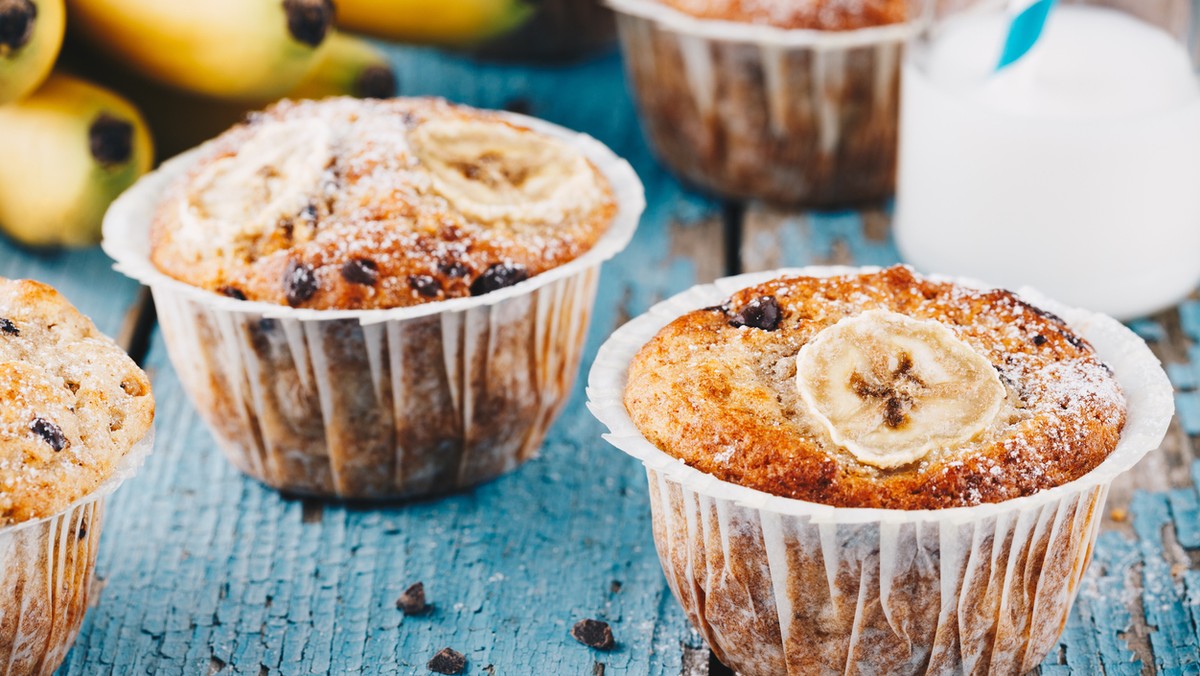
(890,388)
(492,171)
(268,182)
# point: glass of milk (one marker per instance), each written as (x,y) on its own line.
(1075,170)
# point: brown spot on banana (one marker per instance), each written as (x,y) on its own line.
(309,21)
(376,82)
(110,140)
(17,20)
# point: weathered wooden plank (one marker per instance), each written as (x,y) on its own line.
(205,571)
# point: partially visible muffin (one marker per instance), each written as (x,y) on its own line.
(881,389)
(356,204)
(832,15)
(73,403)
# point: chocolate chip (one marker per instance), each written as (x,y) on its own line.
(498,276)
(760,313)
(594,634)
(233,292)
(412,601)
(448,661)
(361,271)
(1039,339)
(425,285)
(49,432)
(454,269)
(1074,340)
(7,326)
(299,282)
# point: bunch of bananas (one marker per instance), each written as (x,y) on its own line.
(185,71)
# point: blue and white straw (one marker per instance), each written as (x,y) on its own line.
(1024,31)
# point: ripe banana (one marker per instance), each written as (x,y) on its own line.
(70,148)
(890,388)
(31,33)
(348,66)
(249,50)
(442,22)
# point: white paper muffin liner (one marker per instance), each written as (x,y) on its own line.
(777,585)
(46,570)
(795,116)
(374,404)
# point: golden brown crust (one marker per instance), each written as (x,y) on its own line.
(74,403)
(831,15)
(723,398)
(373,233)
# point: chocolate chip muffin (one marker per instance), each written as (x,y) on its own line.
(75,419)
(75,403)
(878,390)
(356,204)
(373,299)
(795,103)
(859,471)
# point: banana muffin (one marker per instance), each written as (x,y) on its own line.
(75,421)
(878,390)
(791,102)
(371,299)
(864,471)
(355,204)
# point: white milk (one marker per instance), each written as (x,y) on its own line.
(1075,170)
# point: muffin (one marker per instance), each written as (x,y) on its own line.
(75,423)
(793,103)
(870,471)
(378,298)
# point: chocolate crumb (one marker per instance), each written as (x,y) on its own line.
(412,601)
(233,292)
(615,587)
(760,313)
(7,326)
(299,282)
(1039,339)
(594,634)
(49,432)
(425,285)
(361,271)
(498,276)
(448,661)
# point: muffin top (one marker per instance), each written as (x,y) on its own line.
(353,204)
(73,403)
(882,389)
(829,15)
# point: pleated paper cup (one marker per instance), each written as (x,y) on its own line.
(46,571)
(378,404)
(792,116)
(783,586)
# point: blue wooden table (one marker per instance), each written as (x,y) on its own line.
(203,571)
